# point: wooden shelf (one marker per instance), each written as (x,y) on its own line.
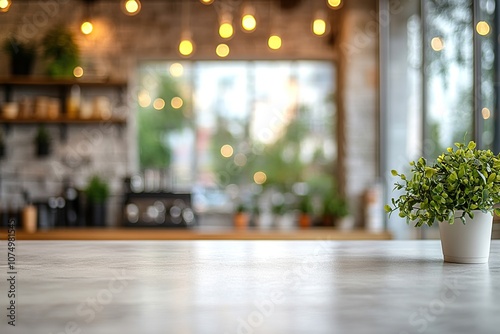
(199,234)
(34,121)
(45,81)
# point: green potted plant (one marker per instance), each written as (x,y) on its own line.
(22,56)
(341,215)
(328,210)
(278,211)
(42,142)
(462,185)
(306,210)
(255,216)
(96,192)
(61,52)
(241,217)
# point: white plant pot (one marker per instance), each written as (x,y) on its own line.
(345,223)
(469,243)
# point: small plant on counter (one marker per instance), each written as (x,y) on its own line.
(464,178)
(96,192)
(306,210)
(241,217)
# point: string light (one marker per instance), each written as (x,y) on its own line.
(248,21)
(87,28)
(5,5)
(222,50)
(131,7)
(186,47)
(334,4)
(319,24)
(226,27)
(274,42)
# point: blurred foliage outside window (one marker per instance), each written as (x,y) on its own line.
(449,73)
(214,125)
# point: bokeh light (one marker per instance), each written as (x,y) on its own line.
(132,7)
(176,102)
(483,28)
(437,44)
(240,159)
(260,177)
(176,70)
(226,151)
(5,5)
(144,98)
(78,72)
(486,113)
(274,42)
(226,30)
(186,47)
(222,50)
(335,4)
(248,22)
(319,27)
(87,27)
(159,104)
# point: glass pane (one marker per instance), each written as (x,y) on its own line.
(486,40)
(243,127)
(448,74)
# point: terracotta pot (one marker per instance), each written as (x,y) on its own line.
(304,220)
(241,221)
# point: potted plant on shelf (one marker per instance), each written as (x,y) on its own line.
(42,142)
(96,192)
(254,216)
(343,219)
(463,185)
(306,210)
(22,56)
(328,210)
(241,217)
(61,52)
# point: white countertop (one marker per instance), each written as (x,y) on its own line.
(259,287)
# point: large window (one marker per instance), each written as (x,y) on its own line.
(458,73)
(232,131)
(440,83)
